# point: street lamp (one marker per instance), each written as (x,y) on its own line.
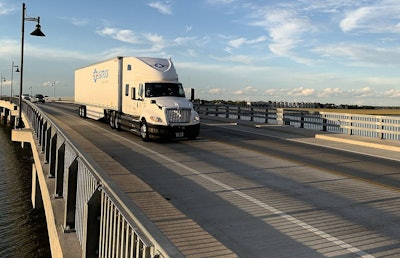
(53,84)
(12,78)
(36,32)
(2,79)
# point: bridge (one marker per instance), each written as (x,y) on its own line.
(245,188)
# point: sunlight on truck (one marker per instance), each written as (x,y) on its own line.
(139,94)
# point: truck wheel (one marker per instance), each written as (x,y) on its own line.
(144,132)
(111,120)
(117,122)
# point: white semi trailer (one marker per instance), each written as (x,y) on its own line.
(140,94)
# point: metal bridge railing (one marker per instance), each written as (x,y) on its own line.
(93,209)
(382,127)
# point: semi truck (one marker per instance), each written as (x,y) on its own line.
(139,94)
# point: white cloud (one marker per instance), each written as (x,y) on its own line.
(216,91)
(375,18)
(119,34)
(355,18)
(362,54)
(330,92)
(301,91)
(392,93)
(221,1)
(162,7)
(183,40)
(4,10)
(246,91)
(363,92)
(285,28)
(79,22)
(237,43)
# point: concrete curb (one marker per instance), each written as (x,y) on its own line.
(340,138)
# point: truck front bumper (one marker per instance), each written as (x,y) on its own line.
(159,132)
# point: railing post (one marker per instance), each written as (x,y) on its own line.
(380,132)
(251,114)
(47,147)
(52,159)
(238,113)
(324,123)
(60,171)
(70,197)
(301,119)
(91,239)
(350,130)
(227,112)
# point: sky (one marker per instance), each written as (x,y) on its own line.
(341,52)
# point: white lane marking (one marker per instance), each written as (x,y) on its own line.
(310,143)
(253,200)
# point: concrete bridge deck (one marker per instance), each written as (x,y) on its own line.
(187,233)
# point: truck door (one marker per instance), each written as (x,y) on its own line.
(139,101)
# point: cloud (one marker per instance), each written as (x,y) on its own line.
(363,92)
(216,91)
(285,28)
(237,43)
(392,93)
(4,10)
(375,18)
(119,34)
(79,22)
(330,92)
(301,91)
(246,91)
(362,54)
(221,1)
(162,7)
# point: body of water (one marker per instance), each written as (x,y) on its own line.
(23,230)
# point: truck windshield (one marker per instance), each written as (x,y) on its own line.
(164,90)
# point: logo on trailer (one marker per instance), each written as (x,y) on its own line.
(101,74)
(158,65)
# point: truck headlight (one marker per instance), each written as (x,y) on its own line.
(196,116)
(156,119)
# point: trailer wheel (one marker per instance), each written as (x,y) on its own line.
(144,132)
(82,111)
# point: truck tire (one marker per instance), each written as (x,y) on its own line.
(117,121)
(82,111)
(111,120)
(144,130)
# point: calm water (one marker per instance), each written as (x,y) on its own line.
(23,231)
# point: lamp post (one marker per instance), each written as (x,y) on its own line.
(36,32)
(12,78)
(53,84)
(2,79)
(31,90)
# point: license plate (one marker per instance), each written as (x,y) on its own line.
(179,134)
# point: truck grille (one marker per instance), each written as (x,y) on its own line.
(178,115)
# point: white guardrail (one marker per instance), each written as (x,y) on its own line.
(375,126)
